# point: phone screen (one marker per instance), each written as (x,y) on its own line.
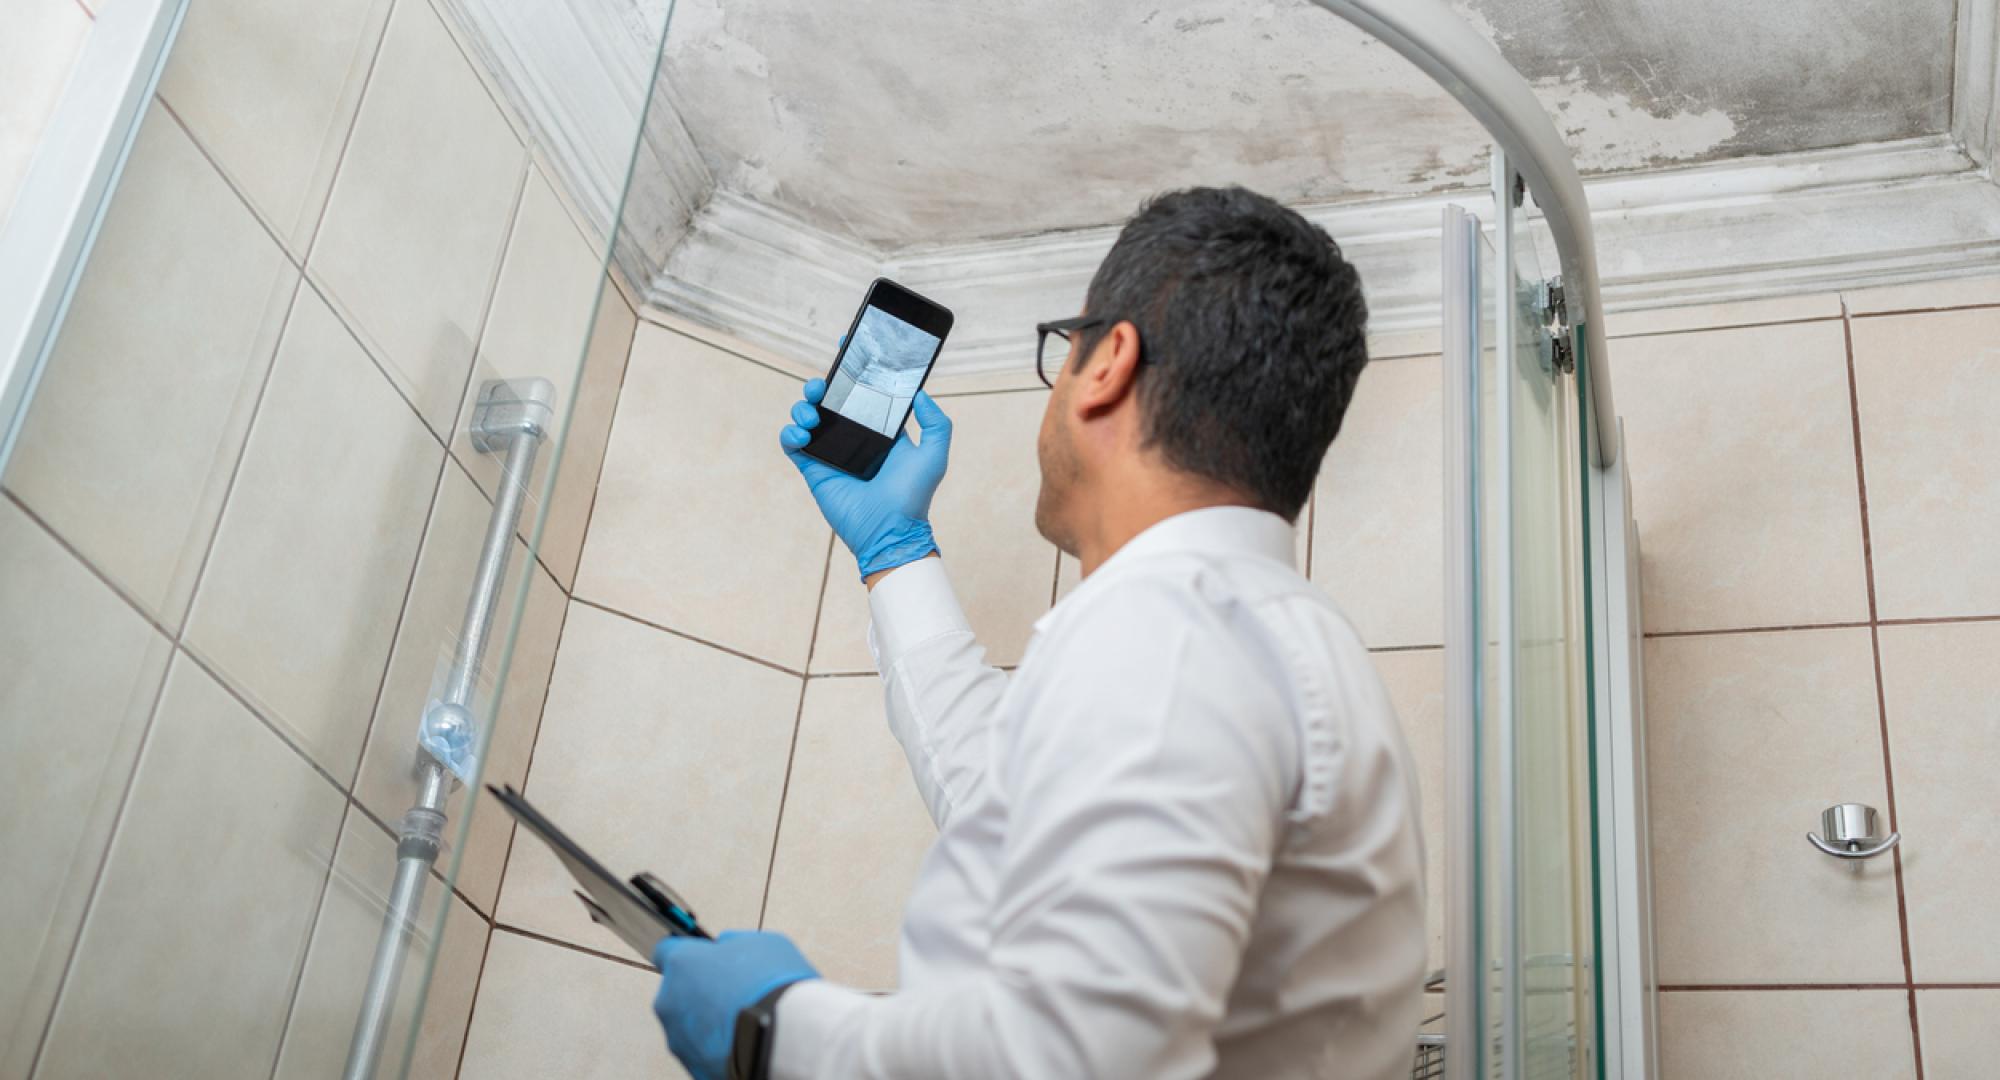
(880,371)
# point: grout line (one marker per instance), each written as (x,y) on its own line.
(531,935)
(257,713)
(1941,620)
(402,615)
(597,478)
(461,410)
(296,262)
(89,567)
(1881,697)
(361,99)
(103,855)
(1918,311)
(312,933)
(792,752)
(236,466)
(1804,321)
(1406,648)
(1697,988)
(843,675)
(1855,625)
(683,635)
(527,768)
(478,981)
(435,874)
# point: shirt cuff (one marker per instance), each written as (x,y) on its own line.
(912,604)
(809,1015)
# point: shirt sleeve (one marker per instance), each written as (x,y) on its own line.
(1146,789)
(942,696)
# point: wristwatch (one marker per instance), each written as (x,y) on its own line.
(756,1034)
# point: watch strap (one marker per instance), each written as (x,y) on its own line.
(756,1035)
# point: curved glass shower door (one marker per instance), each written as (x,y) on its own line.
(274,592)
(1520,903)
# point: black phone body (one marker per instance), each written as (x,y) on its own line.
(891,346)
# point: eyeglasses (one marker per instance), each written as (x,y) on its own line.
(1062,329)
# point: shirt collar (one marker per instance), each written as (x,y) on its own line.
(1213,530)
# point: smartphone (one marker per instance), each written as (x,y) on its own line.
(890,348)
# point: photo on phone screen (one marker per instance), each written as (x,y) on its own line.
(885,364)
(890,348)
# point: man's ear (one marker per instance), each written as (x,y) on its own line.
(1108,376)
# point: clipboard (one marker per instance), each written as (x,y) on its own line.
(640,912)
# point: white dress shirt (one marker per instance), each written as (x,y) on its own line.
(1180,841)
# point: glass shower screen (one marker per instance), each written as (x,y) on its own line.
(276,508)
(1520,926)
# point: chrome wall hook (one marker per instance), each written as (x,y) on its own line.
(1850,832)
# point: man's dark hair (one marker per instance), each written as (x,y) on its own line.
(1251,337)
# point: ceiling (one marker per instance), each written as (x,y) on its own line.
(904,125)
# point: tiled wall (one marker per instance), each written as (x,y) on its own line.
(238,535)
(1816,481)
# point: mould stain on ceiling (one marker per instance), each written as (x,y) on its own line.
(903,124)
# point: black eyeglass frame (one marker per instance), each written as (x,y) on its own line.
(1061,328)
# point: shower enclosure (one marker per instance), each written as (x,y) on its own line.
(294,346)
(299,307)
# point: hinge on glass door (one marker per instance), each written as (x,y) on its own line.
(1555,322)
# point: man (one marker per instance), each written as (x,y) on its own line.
(1181,839)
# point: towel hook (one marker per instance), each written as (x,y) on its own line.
(1850,832)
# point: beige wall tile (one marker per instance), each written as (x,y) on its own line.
(984,518)
(589,433)
(656,753)
(854,832)
(299,603)
(270,89)
(1959,1039)
(1926,295)
(426,644)
(1748,738)
(78,674)
(1944,738)
(127,456)
(547,1011)
(343,949)
(1743,485)
(1415,680)
(1424,342)
(42,41)
(198,927)
(409,252)
(1378,536)
(1758,1034)
(543,309)
(701,523)
(1929,393)
(1712,316)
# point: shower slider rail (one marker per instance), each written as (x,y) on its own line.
(512,417)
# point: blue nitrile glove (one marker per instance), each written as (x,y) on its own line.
(704,984)
(885,522)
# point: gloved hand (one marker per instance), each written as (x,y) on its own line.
(704,984)
(885,522)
